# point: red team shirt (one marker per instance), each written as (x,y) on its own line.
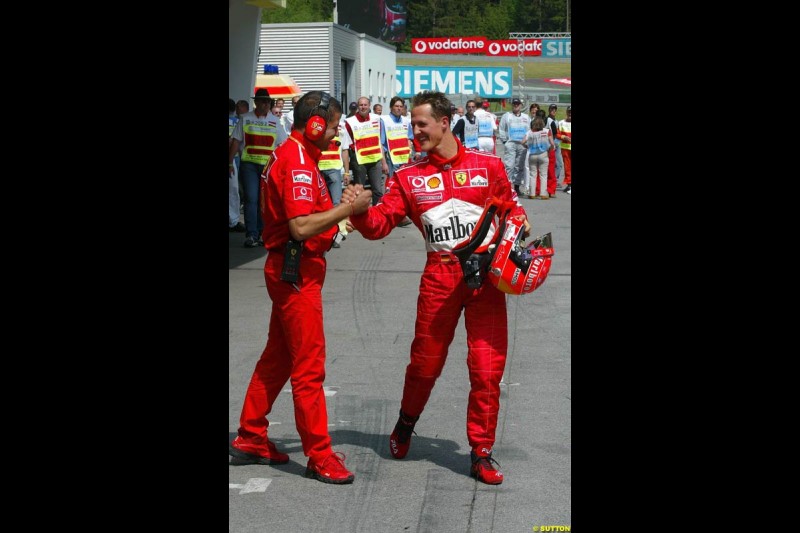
(293,187)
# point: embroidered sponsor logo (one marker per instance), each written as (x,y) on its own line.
(452,229)
(431,183)
(472,177)
(303,193)
(422,198)
(417,182)
(301,176)
(434,183)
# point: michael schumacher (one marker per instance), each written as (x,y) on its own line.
(444,195)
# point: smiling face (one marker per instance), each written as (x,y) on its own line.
(428,130)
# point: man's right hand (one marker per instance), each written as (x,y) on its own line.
(349,193)
(359,198)
(363,202)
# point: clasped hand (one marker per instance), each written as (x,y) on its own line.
(358,198)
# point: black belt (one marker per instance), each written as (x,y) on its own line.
(305,253)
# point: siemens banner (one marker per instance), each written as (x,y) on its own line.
(488,82)
(557,48)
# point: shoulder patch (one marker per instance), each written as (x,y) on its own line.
(303,193)
(301,176)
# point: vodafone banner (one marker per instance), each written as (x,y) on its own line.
(475,45)
(532,47)
(450,45)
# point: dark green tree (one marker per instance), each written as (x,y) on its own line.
(494,19)
(300,11)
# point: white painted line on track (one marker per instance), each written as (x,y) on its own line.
(254,484)
(328,391)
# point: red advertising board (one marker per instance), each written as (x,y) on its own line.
(475,45)
(449,45)
(510,47)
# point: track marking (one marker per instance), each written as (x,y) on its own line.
(254,484)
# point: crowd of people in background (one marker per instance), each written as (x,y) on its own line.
(371,146)
(380,171)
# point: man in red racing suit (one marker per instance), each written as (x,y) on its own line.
(297,208)
(444,195)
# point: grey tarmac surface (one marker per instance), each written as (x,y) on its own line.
(370,304)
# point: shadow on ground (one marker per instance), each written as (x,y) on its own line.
(441,452)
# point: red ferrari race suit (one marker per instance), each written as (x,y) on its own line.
(445,199)
(292,187)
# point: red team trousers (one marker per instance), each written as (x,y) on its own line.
(295,350)
(442,295)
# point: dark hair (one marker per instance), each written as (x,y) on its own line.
(308,103)
(396,99)
(440,104)
(231,105)
(537,123)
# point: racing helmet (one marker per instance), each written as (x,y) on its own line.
(516,269)
(510,266)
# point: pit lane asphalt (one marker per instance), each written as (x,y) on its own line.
(369,299)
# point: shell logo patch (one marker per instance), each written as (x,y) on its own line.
(432,183)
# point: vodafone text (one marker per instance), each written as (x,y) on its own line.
(454,45)
(511,48)
(475,45)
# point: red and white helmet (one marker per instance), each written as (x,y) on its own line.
(510,267)
(518,270)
